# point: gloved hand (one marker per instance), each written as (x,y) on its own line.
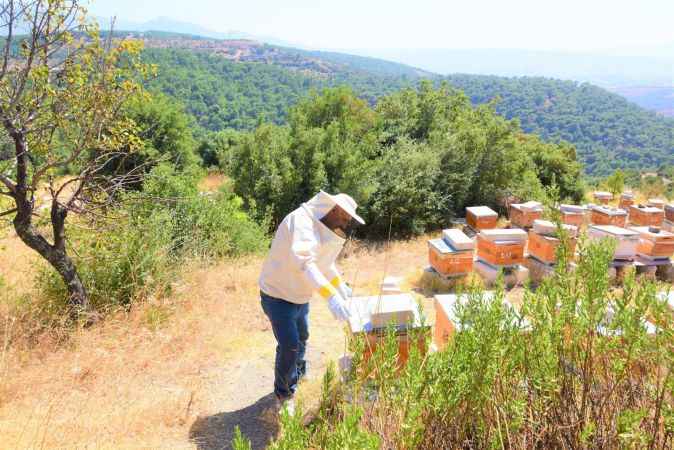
(345,290)
(338,307)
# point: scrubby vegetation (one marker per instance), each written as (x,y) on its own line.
(581,365)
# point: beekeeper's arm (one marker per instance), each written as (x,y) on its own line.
(338,282)
(303,251)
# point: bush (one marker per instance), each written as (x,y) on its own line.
(576,367)
(138,254)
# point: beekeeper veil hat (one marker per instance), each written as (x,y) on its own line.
(321,204)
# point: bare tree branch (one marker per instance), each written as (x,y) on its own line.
(7,213)
(8,183)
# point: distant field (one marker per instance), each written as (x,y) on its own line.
(656,98)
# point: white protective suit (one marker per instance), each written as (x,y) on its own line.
(302,258)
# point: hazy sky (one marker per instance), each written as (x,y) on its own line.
(571,25)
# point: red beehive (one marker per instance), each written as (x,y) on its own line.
(603,197)
(646,216)
(453,254)
(481,217)
(544,248)
(655,243)
(601,215)
(501,247)
(626,200)
(669,212)
(572,215)
(523,214)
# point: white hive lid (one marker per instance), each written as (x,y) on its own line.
(627,194)
(602,194)
(648,209)
(458,239)
(544,227)
(504,234)
(572,209)
(375,312)
(481,211)
(613,230)
(449,302)
(609,211)
(531,206)
(655,202)
(646,233)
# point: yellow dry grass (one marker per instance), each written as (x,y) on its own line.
(212,182)
(154,376)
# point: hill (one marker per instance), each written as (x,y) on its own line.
(657,98)
(237,83)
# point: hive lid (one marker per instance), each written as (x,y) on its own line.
(372,313)
(656,202)
(442,247)
(602,194)
(609,211)
(613,230)
(458,239)
(481,211)
(545,227)
(530,206)
(647,233)
(627,195)
(572,209)
(504,234)
(448,303)
(647,209)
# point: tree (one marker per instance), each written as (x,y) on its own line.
(62,91)
(616,182)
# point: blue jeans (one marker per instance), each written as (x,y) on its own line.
(290,323)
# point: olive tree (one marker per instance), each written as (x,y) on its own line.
(62,92)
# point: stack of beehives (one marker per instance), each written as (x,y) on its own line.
(501,249)
(572,215)
(655,246)
(626,242)
(646,216)
(523,214)
(452,255)
(626,200)
(605,215)
(543,241)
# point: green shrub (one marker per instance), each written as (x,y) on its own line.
(575,367)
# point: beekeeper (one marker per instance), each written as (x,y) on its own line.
(301,265)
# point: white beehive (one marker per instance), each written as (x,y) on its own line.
(627,240)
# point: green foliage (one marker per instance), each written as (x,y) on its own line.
(138,254)
(412,163)
(616,182)
(609,132)
(576,366)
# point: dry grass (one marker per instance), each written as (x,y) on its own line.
(144,378)
(212,182)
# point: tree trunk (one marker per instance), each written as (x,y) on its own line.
(55,254)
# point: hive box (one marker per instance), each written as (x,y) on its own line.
(447,260)
(481,217)
(656,203)
(602,215)
(523,214)
(646,216)
(501,247)
(655,244)
(446,320)
(603,197)
(627,240)
(669,212)
(572,214)
(626,200)
(543,245)
(371,315)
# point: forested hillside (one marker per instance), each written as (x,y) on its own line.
(225,92)
(609,131)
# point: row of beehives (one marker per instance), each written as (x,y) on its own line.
(455,254)
(371,316)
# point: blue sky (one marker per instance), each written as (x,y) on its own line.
(568,25)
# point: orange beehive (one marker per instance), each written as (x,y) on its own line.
(646,216)
(523,214)
(447,261)
(481,217)
(654,242)
(501,247)
(669,212)
(572,215)
(544,248)
(371,317)
(626,200)
(603,197)
(601,215)
(446,321)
